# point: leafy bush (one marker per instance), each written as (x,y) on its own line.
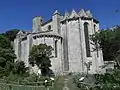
(20,68)
(107,81)
(111,81)
(7,56)
(40,55)
(32,78)
(76,79)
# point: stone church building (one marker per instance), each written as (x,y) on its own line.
(69,35)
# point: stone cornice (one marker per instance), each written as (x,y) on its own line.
(77,18)
(46,35)
(70,19)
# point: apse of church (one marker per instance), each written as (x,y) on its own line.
(69,35)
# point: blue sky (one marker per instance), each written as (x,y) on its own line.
(19,13)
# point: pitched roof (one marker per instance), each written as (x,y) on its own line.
(88,13)
(66,15)
(56,12)
(82,13)
(73,14)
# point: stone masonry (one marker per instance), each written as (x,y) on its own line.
(69,36)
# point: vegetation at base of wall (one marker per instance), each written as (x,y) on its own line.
(106,81)
(109,41)
(8,66)
(16,73)
(7,56)
(109,80)
(40,55)
(58,84)
(21,87)
(31,80)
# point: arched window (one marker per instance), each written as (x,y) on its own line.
(55,48)
(19,49)
(49,27)
(96,42)
(94,28)
(86,33)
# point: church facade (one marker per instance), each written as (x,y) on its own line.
(69,35)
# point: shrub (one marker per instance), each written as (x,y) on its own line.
(107,81)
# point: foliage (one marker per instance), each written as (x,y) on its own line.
(7,56)
(106,81)
(76,79)
(32,78)
(11,34)
(20,68)
(40,55)
(82,80)
(4,42)
(21,87)
(12,78)
(109,42)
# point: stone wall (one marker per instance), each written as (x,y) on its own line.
(69,32)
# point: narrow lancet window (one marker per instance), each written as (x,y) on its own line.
(97,50)
(86,33)
(55,48)
(19,49)
(94,28)
(96,44)
(49,27)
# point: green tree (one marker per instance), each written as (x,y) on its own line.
(109,42)
(20,68)
(108,81)
(8,66)
(11,34)
(4,42)
(40,55)
(7,56)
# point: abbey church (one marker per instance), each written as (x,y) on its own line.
(69,35)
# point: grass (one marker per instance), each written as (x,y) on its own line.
(58,85)
(19,87)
